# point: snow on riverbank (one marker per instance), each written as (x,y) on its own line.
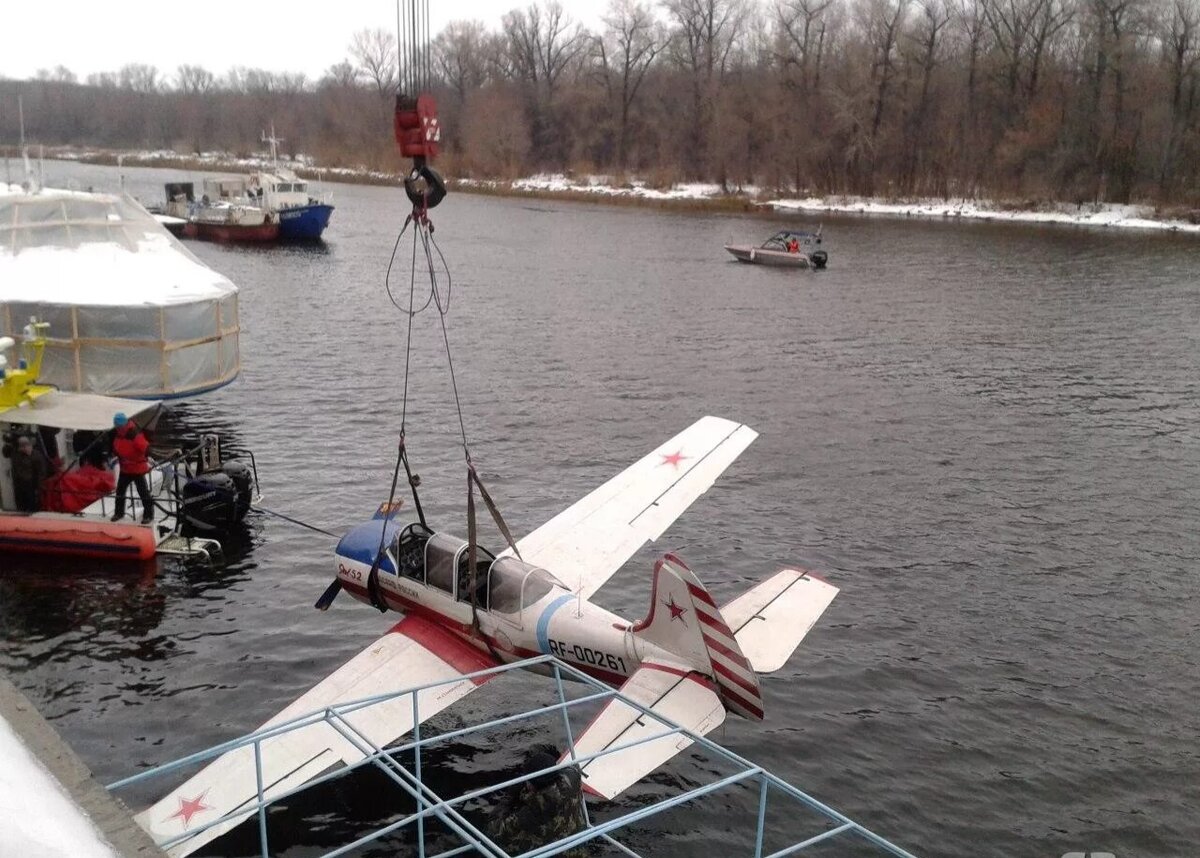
(699,193)
(1098,214)
(1093,214)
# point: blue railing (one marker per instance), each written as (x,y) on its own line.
(430,804)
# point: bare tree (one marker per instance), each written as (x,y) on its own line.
(460,55)
(194,80)
(102,80)
(541,43)
(374,50)
(802,27)
(58,74)
(632,39)
(703,35)
(342,75)
(932,19)
(138,77)
(1180,35)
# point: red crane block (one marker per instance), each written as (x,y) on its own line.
(416,124)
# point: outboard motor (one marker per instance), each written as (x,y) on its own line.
(219,496)
(818,258)
(243,482)
(209,503)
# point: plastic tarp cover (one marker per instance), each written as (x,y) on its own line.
(118,323)
(192,366)
(58,366)
(75,411)
(229,312)
(229,355)
(185,322)
(58,315)
(119,369)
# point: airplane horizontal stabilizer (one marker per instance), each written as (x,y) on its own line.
(681,696)
(770,619)
(414,652)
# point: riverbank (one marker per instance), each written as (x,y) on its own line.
(695,196)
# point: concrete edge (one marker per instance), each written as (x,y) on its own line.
(107,812)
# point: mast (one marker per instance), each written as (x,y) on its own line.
(274,143)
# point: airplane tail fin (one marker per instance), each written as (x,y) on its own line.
(686,623)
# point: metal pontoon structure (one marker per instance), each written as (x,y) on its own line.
(757,786)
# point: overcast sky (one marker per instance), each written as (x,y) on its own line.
(305,35)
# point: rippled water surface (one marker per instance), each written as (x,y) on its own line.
(986,435)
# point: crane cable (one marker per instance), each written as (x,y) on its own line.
(417,132)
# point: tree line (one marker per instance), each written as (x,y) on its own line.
(1075,100)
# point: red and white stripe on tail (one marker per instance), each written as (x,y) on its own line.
(685,622)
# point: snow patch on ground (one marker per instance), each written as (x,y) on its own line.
(1095,214)
(1098,214)
(40,820)
(600,185)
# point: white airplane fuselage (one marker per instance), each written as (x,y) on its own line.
(543,618)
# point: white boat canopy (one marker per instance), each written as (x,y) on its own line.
(62,410)
(132,312)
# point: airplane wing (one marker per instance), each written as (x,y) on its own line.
(770,619)
(679,695)
(414,652)
(590,540)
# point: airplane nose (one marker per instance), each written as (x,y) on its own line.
(362,542)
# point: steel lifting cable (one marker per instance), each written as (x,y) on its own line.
(417,134)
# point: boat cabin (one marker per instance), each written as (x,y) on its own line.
(232,189)
(282,189)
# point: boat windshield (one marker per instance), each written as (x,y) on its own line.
(781,239)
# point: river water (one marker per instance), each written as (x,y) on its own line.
(986,435)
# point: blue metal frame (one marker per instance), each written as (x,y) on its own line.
(430,804)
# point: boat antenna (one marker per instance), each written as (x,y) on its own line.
(274,141)
(30,184)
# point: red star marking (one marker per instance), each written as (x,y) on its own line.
(189,807)
(676,611)
(673,459)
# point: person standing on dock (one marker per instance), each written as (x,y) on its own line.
(130,445)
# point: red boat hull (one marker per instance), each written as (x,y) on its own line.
(52,533)
(232,232)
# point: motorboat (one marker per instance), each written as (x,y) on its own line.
(787,248)
(65,504)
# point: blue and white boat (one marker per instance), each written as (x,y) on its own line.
(302,216)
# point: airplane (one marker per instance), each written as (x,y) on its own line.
(688,659)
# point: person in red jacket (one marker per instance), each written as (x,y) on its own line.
(130,446)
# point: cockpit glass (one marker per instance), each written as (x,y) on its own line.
(514,584)
(441,561)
